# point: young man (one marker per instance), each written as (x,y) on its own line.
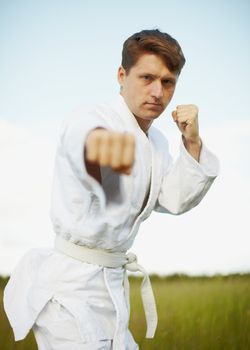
(112,168)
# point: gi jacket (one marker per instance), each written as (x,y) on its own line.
(104,217)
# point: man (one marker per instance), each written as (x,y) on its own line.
(112,168)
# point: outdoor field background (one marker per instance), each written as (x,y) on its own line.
(58,55)
(195,313)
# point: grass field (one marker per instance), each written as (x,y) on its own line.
(194,314)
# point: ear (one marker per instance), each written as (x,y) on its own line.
(121,74)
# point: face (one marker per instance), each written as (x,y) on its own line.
(147,88)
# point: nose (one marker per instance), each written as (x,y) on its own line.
(156,89)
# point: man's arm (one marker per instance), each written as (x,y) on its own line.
(187,181)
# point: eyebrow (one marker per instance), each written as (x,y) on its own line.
(172,79)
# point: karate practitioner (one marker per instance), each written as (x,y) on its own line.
(112,168)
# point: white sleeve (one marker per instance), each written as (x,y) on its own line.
(186,181)
(71,146)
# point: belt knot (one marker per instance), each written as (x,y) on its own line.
(131,264)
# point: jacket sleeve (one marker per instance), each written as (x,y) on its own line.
(186,182)
(71,148)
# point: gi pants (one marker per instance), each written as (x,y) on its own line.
(56,329)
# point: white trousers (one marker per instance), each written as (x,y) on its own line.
(56,329)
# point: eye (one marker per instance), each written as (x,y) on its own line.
(147,78)
(167,82)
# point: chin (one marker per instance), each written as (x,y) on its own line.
(152,116)
(153,112)
(147,114)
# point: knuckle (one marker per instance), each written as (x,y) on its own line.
(105,136)
(194,107)
(93,138)
(90,138)
(116,136)
(98,132)
(130,139)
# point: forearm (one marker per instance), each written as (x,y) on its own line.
(193,147)
(187,181)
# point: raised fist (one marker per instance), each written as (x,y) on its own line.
(186,118)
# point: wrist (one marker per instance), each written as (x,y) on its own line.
(193,142)
(193,147)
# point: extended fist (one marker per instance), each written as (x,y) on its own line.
(108,148)
(186,117)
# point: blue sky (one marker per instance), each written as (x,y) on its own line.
(56,55)
(70,50)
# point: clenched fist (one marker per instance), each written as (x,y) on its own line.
(108,148)
(186,118)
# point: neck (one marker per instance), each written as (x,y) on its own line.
(143,124)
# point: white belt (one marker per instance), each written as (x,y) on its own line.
(113,260)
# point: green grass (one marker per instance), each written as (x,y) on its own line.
(6,337)
(197,314)
(194,314)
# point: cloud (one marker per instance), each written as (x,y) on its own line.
(25,182)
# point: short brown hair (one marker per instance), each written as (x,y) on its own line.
(156,42)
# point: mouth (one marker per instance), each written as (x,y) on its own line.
(154,105)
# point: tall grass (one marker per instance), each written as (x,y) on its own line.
(197,314)
(194,314)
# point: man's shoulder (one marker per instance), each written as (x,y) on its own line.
(112,105)
(84,116)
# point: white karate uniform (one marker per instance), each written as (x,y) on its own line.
(105,217)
